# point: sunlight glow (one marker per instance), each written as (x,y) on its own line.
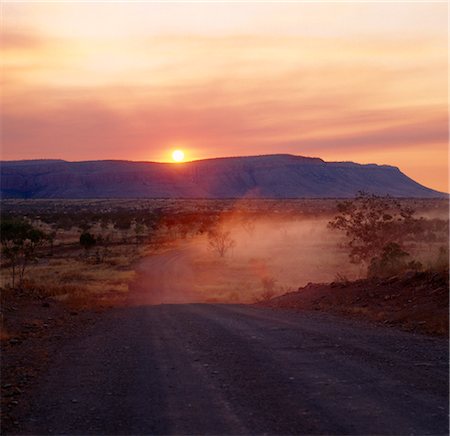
(227,79)
(178,155)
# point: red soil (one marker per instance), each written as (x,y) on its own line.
(413,302)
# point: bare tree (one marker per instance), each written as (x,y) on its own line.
(220,241)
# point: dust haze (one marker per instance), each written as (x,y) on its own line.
(266,256)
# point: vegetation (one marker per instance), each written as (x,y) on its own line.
(89,246)
(87,241)
(220,241)
(83,249)
(20,241)
(377,230)
(393,260)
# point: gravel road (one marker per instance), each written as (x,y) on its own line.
(234,369)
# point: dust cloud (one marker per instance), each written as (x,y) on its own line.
(263,257)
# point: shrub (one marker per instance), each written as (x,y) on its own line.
(392,261)
(87,240)
(20,241)
(220,241)
(372,224)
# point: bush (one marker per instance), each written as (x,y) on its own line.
(20,241)
(377,229)
(87,241)
(392,261)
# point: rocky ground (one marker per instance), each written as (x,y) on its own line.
(413,302)
(32,333)
(239,369)
(35,331)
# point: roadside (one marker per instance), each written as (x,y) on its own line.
(36,327)
(417,302)
(33,333)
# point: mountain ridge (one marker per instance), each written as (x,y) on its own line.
(263,176)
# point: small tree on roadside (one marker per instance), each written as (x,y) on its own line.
(371,223)
(220,241)
(20,241)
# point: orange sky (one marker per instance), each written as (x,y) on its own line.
(365,82)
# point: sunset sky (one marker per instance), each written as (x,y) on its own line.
(365,82)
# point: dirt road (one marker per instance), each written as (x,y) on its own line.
(233,369)
(167,278)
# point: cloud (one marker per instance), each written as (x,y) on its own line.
(20,41)
(424,133)
(69,96)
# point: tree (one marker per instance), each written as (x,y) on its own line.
(51,240)
(393,260)
(220,241)
(87,241)
(20,241)
(139,232)
(371,223)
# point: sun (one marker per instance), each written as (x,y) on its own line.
(178,155)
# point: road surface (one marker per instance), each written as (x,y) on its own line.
(234,369)
(167,278)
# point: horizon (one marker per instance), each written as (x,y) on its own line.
(187,162)
(339,81)
(171,162)
(196,160)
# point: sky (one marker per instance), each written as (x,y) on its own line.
(362,82)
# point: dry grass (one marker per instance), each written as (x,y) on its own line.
(76,279)
(290,248)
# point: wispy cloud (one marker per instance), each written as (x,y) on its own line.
(272,78)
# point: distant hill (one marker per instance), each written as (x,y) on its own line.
(270,176)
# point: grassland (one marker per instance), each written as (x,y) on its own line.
(162,250)
(277,245)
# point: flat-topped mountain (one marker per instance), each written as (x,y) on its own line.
(270,176)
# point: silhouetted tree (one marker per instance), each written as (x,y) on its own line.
(220,241)
(371,223)
(19,241)
(393,260)
(87,241)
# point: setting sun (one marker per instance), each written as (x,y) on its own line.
(178,155)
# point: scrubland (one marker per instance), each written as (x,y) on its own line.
(90,255)
(204,250)
(67,272)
